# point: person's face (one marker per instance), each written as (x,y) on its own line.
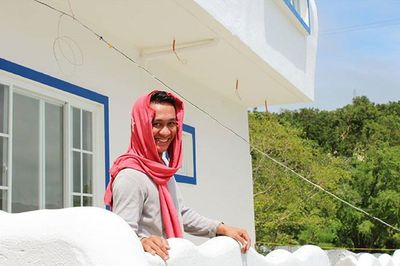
(164,125)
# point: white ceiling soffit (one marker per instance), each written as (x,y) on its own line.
(205,50)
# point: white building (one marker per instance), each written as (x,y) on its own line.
(66,92)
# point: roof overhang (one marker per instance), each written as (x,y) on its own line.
(181,35)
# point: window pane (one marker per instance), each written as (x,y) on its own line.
(295,4)
(3,200)
(76,128)
(77,201)
(77,171)
(25,159)
(3,161)
(87,173)
(87,131)
(3,109)
(87,201)
(54,156)
(187,168)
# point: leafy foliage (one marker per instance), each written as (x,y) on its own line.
(353,152)
(288,210)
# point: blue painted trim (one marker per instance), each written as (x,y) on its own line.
(309,16)
(189,179)
(106,144)
(298,16)
(70,88)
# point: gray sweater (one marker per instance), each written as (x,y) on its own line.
(136,200)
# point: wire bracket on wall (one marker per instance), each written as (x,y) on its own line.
(166,50)
(237,90)
(176,54)
(266,106)
(70,9)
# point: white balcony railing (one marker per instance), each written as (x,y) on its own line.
(94,236)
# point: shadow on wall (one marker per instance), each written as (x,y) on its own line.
(94,236)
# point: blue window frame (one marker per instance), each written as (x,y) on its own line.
(188,172)
(67,87)
(301,10)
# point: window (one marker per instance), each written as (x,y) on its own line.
(82,157)
(52,143)
(187,173)
(296,5)
(300,9)
(4,140)
(37,153)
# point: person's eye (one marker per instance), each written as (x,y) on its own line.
(157,125)
(172,124)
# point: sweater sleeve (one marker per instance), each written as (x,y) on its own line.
(198,225)
(128,199)
(193,222)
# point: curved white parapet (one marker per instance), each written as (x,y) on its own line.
(396,257)
(94,236)
(366,259)
(347,261)
(310,255)
(386,260)
(282,257)
(216,251)
(72,236)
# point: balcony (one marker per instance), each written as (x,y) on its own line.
(94,236)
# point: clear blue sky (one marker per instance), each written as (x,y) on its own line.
(358,53)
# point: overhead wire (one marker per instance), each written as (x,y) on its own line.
(101,38)
(324,190)
(364,26)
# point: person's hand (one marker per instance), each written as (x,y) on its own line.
(156,245)
(238,234)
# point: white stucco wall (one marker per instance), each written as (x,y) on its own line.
(270,29)
(223,161)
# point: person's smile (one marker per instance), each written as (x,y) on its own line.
(164,125)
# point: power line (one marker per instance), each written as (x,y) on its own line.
(324,190)
(212,117)
(364,26)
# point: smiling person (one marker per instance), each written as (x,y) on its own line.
(143,190)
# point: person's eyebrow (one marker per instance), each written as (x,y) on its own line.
(172,119)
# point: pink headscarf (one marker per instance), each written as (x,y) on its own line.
(142,155)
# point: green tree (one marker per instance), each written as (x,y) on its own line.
(366,136)
(376,180)
(287,210)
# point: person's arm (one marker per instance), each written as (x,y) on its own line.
(199,225)
(193,223)
(156,245)
(238,234)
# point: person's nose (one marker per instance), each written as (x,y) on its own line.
(165,131)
